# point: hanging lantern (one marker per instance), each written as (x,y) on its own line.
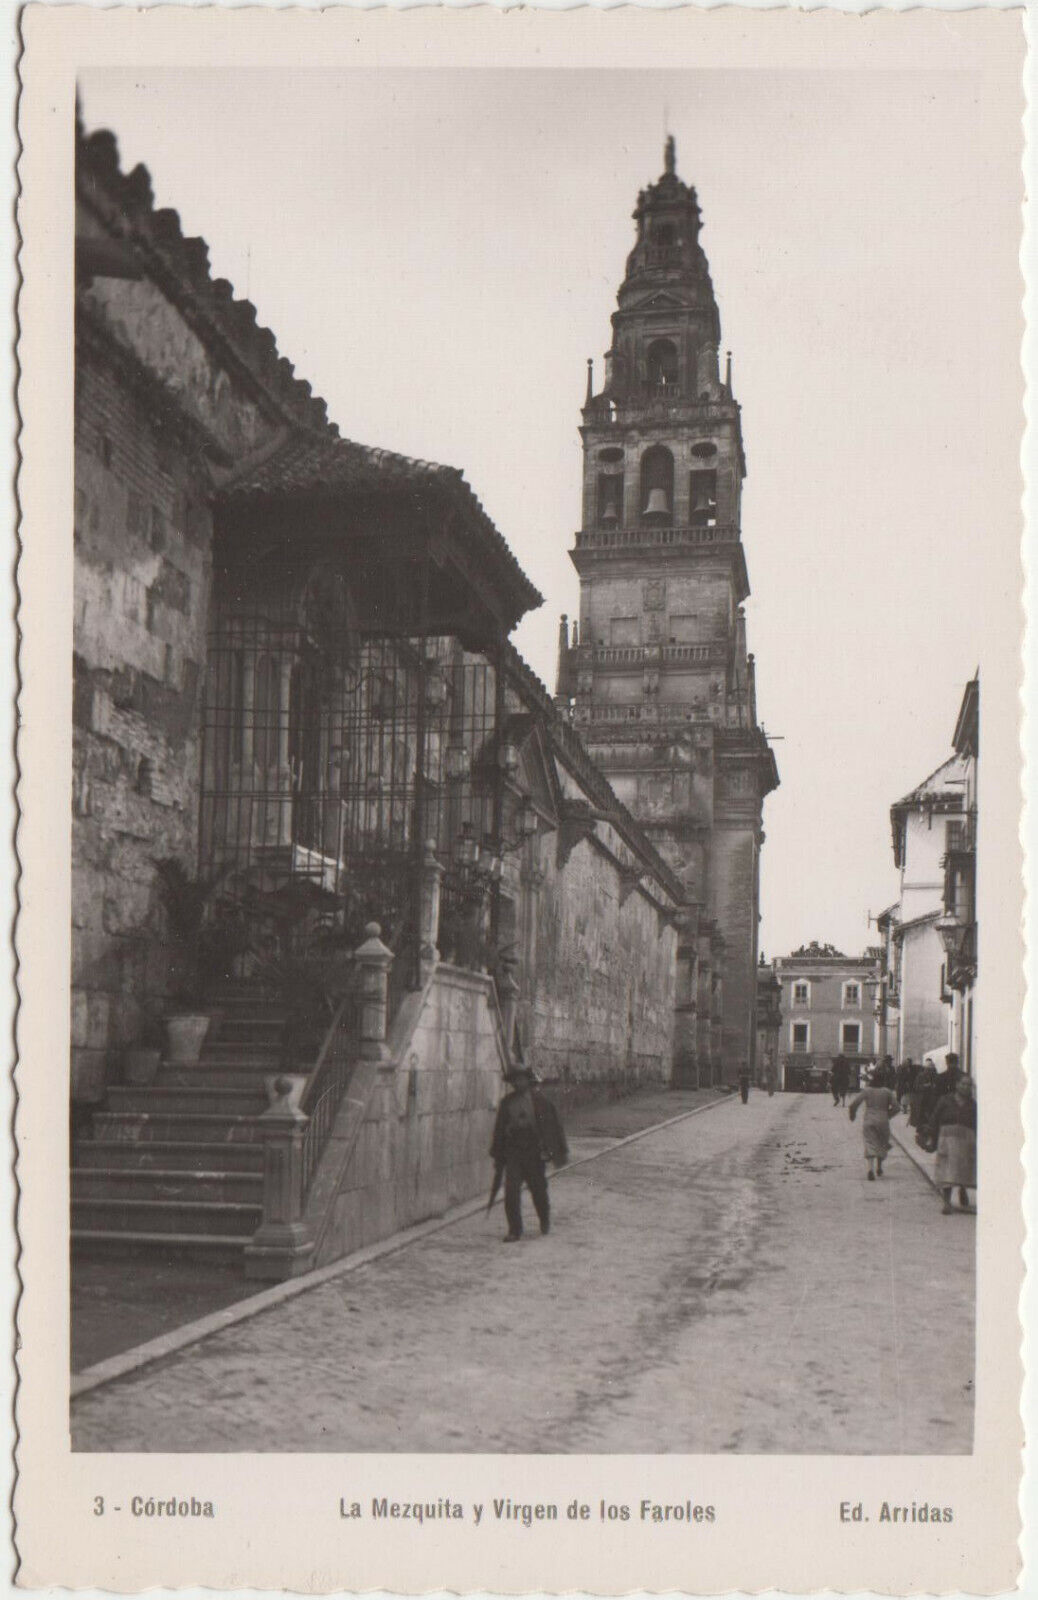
(435,685)
(456,761)
(509,757)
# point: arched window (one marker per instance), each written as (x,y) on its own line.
(657,496)
(610,497)
(662,366)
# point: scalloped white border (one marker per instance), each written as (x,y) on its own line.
(52,1475)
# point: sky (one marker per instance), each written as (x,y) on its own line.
(439,253)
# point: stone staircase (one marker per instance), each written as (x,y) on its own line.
(176,1168)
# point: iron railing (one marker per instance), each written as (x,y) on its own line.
(327,1084)
(333,756)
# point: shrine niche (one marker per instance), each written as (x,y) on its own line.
(654,594)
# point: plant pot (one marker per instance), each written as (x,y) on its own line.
(185,1035)
(141,1064)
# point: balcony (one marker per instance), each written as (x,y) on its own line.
(647,655)
(620,540)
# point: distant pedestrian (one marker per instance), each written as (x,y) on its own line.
(903,1081)
(744,1084)
(527,1134)
(954,1126)
(923,1080)
(839,1080)
(769,1078)
(941,1083)
(880,1104)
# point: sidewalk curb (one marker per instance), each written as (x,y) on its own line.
(914,1159)
(130,1361)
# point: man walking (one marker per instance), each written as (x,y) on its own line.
(528,1133)
(839,1080)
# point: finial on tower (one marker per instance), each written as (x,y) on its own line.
(590,381)
(669,154)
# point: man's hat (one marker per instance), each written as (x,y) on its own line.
(519,1075)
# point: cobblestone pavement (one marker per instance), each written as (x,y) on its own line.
(115,1307)
(728,1283)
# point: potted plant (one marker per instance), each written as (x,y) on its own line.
(141,1061)
(185,900)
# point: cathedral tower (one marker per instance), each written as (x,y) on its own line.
(656,675)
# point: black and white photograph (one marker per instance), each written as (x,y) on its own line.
(544,969)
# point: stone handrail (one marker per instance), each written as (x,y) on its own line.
(295,1127)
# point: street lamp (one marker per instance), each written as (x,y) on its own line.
(950,931)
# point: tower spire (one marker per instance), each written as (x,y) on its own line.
(669,154)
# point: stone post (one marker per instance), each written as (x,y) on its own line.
(429,912)
(282,1246)
(374,960)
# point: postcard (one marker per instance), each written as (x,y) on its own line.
(521,960)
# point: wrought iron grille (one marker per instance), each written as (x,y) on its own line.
(331,758)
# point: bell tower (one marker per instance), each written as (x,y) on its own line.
(656,675)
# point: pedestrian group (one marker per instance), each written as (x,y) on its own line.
(940,1106)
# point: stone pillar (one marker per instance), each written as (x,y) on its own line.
(282,1246)
(684,1071)
(704,1051)
(429,912)
(374,960)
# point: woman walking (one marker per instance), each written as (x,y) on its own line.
(880,1104)
(954,1124)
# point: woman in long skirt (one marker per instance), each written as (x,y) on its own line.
(955,1123)
(880,1104)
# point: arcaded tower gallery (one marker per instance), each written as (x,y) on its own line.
(656,672)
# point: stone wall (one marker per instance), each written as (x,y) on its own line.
(601,1003)
(413,1137)
(142,573)
(149,398)
(733,904)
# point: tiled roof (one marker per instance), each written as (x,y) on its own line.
(323,467)
(943,784)
(310,463)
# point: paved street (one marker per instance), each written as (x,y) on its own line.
(728,1283)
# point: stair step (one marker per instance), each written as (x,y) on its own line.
(252,1080)
(176,1126)
(268,1056)
(214,1247)
(158,1154)
(246,1020)
(261,1003)
(129,1215)
(159,1098)
(161,1183)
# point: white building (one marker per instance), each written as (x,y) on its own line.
(931,964)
